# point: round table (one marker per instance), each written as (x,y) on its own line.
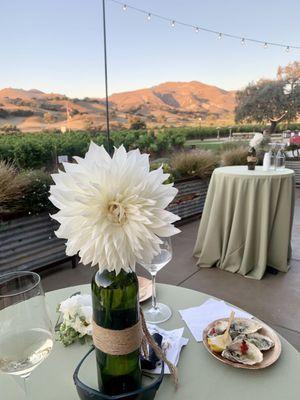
(200,375)
(247,220)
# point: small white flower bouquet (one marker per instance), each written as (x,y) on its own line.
(77,315)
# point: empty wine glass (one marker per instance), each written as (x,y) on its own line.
(26,336)
(158,312)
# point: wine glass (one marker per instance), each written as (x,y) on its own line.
(280,157)
(26,335)
(272,153)
(158,312)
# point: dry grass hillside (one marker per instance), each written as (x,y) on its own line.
(170,103)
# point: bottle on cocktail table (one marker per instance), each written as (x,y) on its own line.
(251,158)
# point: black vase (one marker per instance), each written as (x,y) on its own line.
(251,159)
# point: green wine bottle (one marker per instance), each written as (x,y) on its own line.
(116,307)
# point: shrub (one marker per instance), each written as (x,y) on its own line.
(166,168)
(12,186)
(3,113)
(9,129)
(234,145)
(137,124)
(35,197)
(33,152)
(235,156)
(163,142)
(24,192)
(21,113)
(195,163)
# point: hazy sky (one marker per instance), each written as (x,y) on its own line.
(56,45)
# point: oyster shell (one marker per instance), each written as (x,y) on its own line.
(243,352)
(218,329)
(243,326)
(262,342)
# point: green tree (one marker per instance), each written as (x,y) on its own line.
(271,101)
(137,124)
(290,76)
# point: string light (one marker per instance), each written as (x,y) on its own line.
(197,29)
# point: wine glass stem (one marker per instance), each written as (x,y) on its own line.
(26,387)
(154,292)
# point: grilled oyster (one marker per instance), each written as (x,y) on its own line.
(262,342)
(243,326)
(243,352)
(218,329)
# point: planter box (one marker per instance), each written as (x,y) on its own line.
(190,198)
(295,165)
(29,243)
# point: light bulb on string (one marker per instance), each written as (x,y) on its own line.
(244,41)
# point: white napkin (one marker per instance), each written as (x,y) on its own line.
(197,318)
(172,343)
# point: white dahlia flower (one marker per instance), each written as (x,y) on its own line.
(256,140)
(112,210)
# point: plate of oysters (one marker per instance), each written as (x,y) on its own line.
(242,342)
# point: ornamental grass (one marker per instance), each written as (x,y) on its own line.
(235,156)
(195,163)
(12,185)
(23,192)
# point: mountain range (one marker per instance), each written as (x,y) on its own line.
(170,103)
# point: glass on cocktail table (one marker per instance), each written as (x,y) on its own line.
(158,312)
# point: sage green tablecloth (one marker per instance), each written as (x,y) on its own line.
(246,221)
(201,377)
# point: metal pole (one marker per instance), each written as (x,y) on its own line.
(105,72)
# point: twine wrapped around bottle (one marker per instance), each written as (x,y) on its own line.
(125,341)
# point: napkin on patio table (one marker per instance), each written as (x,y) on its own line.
(197,318)
(172,342)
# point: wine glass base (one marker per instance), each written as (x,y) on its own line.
(157,315)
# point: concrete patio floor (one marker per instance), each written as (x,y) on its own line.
(275,299)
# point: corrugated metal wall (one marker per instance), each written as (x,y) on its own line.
(190,198)
(29,243)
